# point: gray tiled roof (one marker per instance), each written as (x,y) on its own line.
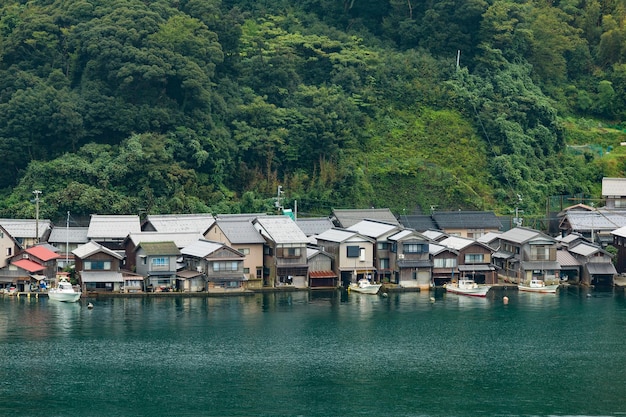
(201,248)
(374,229)
(68,234)
(315,225)
(173,223)
(112,226)
(348,218)
(466,220)
(180,239)
(596,220)
(239,231)
(523,235)
(91,248)
(25,228)
(281,229)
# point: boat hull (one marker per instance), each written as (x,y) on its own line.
(548,289)
(471,292)
(65,297)
(370,289)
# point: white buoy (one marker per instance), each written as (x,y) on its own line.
(432,299)
(89,305)
(505,299)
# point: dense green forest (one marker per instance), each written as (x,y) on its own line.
(184,106)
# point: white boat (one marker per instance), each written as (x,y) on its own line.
(64,292)
(364,286)
(538,285)
(466,286)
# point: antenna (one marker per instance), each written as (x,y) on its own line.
(37,192)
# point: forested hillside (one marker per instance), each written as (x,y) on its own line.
(127,106)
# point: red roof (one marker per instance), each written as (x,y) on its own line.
(42,253)
(322,274)
(28,265)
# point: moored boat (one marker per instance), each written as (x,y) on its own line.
(364,286)
(538,285)
(64,292)
(466,286)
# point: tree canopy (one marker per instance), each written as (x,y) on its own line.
(130,106)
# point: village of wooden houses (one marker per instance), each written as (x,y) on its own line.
(237,253)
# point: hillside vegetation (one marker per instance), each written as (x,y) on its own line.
(127,106)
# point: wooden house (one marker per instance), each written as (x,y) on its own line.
(180,239)
(380,232)
(473,259)
(221,266)
(156,262)
(411,264)
(352,253)
(98,268)
(284,251)
(597,264)
(321,274)
(526,254)
(240,234)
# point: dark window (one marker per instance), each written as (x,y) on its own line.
(353,251)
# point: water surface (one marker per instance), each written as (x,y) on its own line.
(317,354)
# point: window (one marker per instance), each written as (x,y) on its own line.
(144,260)
(444,262)
(353,251)
(474,258)
(362,254)
(288,252)
(382,246)
(384,263)
(225,266)
(259,272)
(161,263)
(246,270)
(245,251)
(97,265)
(414,248)
(540,253)
(9,251)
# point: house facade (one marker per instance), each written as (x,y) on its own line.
(220,265)
(474,259)
(98,268)
(352,253)
(240,234)
(284,251)
(380,232)
(597,264)
(526,254)
(156,261)
(321,274)
(411,263)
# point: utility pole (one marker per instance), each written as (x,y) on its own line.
(37,192)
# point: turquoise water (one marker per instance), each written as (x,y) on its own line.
(316,354)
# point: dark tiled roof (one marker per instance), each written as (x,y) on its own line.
(419,222)
(466,220)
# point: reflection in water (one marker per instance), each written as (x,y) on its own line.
(313,354)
